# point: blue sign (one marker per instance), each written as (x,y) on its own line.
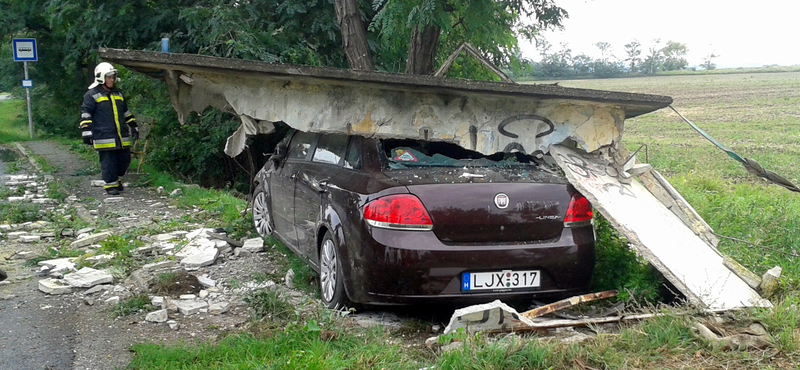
(25,50)
(27,83)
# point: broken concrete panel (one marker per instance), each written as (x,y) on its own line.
(158,265)
(657,234)
(88,277)
(14,235)
(91,239)
(196,246)
(484,116)
(202,258)
(53,286)
(493,316)
(29,238)
(157,316)
(190,307)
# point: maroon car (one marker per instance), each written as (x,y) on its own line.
(388,221)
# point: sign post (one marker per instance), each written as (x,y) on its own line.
(25,51)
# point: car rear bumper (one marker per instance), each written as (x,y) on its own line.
(405,267)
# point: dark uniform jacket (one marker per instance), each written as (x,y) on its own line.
(106,114)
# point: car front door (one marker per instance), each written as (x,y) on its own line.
(282,187)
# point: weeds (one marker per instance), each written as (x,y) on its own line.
(131,306)
(270,304)
(19,212)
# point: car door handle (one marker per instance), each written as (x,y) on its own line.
(320,186)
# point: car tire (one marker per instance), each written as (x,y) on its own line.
(331,278)
(262,215)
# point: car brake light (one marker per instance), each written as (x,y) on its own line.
(402,211)
(578,211)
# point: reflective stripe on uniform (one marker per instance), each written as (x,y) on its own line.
(105,143)
(86,133)
(126,141)
(85,124)
(85,116)
(101,99)
(111,185)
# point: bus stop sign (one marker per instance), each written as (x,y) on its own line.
(25,50)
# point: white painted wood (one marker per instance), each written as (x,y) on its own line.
(687,261)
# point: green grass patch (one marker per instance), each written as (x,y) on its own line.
(19,212)
(13,121)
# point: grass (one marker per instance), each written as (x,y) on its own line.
(13,121)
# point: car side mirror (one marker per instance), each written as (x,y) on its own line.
(280,153)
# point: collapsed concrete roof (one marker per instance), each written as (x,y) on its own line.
(484,116)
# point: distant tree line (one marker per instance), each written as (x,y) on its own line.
(562,63)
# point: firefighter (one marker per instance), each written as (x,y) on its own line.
(105,122)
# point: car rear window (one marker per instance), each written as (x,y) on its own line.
(300,145)
(404,154)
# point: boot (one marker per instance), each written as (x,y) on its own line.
(112,191)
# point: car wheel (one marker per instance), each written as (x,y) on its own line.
(261,213)
(331,279)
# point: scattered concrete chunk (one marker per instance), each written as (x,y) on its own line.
(88,277)
(157,316)
(190,307)
(158,301)
(173,324)
(16,234)
(185,297)
(289,279)
(769,282)
(254,245)
(112,300)
(53,286)
(218,308)
(29,238)
(114,200)
(176,193)
(97,289)
(98,183)
(158,265)
(206,281)
(91,239)
(24,255)
(58,264)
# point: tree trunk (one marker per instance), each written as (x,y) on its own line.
(422,51)
(354,35)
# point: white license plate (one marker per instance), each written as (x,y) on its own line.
(500,280)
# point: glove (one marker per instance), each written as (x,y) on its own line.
(87,137)
(134,133)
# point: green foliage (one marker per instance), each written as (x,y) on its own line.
(618,267)
(270,304)
(131,306)
(18,212)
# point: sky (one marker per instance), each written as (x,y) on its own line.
(742,33)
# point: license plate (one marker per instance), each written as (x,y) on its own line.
(500,280)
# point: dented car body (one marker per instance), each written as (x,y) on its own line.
(405,221)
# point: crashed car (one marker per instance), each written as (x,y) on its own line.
(390,221)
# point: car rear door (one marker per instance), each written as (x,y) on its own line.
(311,187)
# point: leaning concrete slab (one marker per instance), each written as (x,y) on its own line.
(657,234)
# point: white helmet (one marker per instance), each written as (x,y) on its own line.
(100,73)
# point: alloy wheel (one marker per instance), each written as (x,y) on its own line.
(328,270)
(261,217)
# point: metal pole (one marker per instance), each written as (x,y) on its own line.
(28,97)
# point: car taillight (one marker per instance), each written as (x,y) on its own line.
(402,211)
(578,211)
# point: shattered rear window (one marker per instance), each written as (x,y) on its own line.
(405,154)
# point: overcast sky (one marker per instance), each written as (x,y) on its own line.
(743,33)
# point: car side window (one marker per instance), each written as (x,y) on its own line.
(353,159)
(300,145)
(330,149)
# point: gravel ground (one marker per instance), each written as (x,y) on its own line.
(75,331)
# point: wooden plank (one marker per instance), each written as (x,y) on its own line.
(569,302)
